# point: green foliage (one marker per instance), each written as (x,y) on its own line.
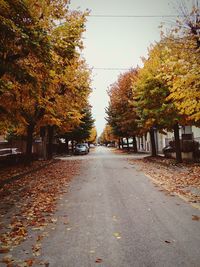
(153,106)
(20,35)
(83,130)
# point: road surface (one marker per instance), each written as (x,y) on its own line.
(116,217)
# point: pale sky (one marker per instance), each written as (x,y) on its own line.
(119,42)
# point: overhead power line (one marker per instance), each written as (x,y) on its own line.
(110,69)
(133,16)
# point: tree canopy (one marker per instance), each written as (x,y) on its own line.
(43,78)
(165,92)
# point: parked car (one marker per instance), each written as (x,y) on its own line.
(92,145)
(110,145)
(81,149)
(86,144)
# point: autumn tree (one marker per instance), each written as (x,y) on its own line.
(179,70)
(82,131)
(107,136)
(182,64)
(121,113)
(21,34)
(93,135)
(70,86)
(51,85)
(154,108)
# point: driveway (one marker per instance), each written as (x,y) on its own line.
(113,216)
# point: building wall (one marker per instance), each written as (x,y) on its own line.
(163,140)
(196,133)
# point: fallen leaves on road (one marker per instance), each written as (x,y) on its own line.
(183,179)
(29,262)
(10,171)
(27,207)
(4,249)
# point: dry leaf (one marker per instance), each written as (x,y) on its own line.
(29,262)
(117,235)
(34,197)
(7,259)
(98,260)
(195,218)
(4,250)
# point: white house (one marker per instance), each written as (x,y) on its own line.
(163,140)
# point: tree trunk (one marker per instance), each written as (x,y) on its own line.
(29,142)
(135,144)
(67,145)
(122,143)
(153,143)
(127,143)
(119,143)
(50,141)
(44,144)
(177,144)
(72,146)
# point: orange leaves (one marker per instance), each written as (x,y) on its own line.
(18,232)
(15,236)
(195,218)
(49,81)
(180,70)
(29,262)
(107,135)
(33,198)
(93,135)
(121,111)
(4,249)
(8,260)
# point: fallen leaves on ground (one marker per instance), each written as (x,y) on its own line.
(29,262)
(182,179)
(7,172)
(4,249)
(28,206)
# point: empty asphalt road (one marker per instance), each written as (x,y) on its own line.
(116,217)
